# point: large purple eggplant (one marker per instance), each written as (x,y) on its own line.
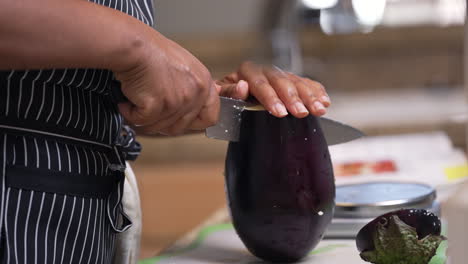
(280,185)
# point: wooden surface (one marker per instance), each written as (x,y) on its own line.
(176,197)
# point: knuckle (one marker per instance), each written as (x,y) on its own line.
(200,89)
(309,100)
(203,80)
(285,82)
(147,104)
(311,96)
(198,83)
(185,96)
(296,80)
(291,93)
(260,82)
(171,104)
(147,108)
(139,118)
(281,79)
(232,77)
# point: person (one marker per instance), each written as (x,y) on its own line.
(64,138)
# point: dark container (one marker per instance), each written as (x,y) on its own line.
(280,185)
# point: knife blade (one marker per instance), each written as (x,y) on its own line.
(228,127)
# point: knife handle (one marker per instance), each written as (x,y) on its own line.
(116,92)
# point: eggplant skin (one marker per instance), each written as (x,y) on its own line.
(280,185)
(425,223)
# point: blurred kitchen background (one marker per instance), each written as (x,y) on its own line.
(390,66)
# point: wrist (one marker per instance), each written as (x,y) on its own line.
(132,49)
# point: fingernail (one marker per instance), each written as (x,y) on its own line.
(326,99)
(218,88)
(280,109)
(241,85)
(300,108)
(319,106)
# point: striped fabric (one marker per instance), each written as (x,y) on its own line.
(61,169)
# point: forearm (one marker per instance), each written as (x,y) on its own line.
(68,34)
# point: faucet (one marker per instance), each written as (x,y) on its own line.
(281,34)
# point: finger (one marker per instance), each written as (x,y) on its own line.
(238,90)
(161,125)
(209,114)
(229,79)
(125,109)
(140,107)
(232,78)
(261,89)
(313,94)
(227,89)
(287,91)
(318,89)
(182,125)
(149,111)
(169,120)
(218,87)
(134,114)
(309,98)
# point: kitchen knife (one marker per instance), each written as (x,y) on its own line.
(228,127)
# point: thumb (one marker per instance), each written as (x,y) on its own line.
(218,88)
(132,114)
(239,90)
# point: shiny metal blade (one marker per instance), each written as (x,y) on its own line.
(336,132)
(228,127)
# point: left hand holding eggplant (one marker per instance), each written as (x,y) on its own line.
(278,91)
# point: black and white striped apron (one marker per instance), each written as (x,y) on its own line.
(62,155)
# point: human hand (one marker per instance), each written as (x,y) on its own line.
(278,91)
(169,90)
